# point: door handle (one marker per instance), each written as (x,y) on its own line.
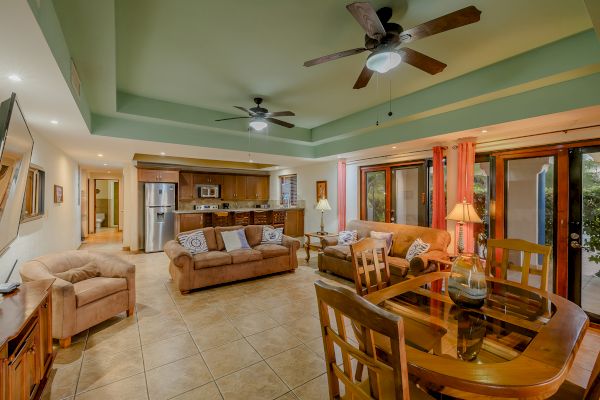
(576,245)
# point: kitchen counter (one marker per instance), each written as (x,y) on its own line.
(236,210)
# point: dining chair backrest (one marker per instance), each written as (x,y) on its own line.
(385,380)
(370,266)
(499,265)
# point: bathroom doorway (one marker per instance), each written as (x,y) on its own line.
(106,204)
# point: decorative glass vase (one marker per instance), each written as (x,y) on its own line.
(471,332)
(466,285)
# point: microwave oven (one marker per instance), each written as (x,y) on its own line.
(208,191)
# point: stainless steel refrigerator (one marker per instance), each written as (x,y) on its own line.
(159,219)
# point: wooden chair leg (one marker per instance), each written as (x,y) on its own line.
(64,343)
(130,311)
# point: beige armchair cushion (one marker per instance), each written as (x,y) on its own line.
(93,289)
(340,251)
(272,250)
(89,270)
(211,259)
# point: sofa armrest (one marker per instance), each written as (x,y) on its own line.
(329,241)
(421,263)
(179,255)
(64,309)
(293,245)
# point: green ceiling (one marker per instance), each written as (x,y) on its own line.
(164,70)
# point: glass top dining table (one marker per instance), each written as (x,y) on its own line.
(520,343)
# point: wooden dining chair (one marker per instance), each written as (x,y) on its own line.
(370,266)
(386,380)
(500,268)
(569,390)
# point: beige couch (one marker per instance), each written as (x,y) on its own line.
(219,266)
(337,259)
(79,306)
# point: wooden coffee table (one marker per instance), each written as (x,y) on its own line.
(308,245)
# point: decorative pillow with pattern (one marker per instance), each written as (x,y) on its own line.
(417,248)
(347,237)
(194,242)
(235,240)
(387,236)
(272,236)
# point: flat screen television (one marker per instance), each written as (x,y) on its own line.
(16,145)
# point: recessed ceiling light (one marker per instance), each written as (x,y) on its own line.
(105,164)
(394,147)
(162,153)
(100,155)
(484,131)
(108,172)
(251,161)
(15,78)
(54,122)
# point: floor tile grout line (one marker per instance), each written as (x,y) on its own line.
(137,323)
(81,364)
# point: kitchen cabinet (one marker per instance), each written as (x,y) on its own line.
(186,186)
(294,223)
(208,179)
(257,187)
(234,187)
(157,175)
(189,222)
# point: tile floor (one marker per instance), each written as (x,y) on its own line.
(257,339)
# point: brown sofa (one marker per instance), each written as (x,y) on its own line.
(219,266)
(79,306)
(337,259)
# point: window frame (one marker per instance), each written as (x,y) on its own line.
(293,199)
(38,194)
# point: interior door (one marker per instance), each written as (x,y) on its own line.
(584,230)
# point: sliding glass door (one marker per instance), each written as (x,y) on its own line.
(375,195)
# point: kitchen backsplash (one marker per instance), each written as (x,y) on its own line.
(189,204)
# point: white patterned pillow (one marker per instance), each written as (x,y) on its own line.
(272,236)
(417,248)
(347,237)
(195,242)
(387,236)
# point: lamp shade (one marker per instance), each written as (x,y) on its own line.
(464,212)
(323,205)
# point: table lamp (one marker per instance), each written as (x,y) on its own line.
(322,205)
(463,213)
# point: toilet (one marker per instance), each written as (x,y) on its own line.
(99,220)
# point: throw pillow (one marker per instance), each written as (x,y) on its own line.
(347,237)
(74,275)
(235,240)
(387,236)
(194,242)
(417,248)
(272,236)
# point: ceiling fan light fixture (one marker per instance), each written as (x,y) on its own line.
(258,124)
(383,61)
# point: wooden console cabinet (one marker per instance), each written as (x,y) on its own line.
(26,353)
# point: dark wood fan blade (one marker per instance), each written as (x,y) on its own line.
(227,119)
(280,114)
(334,56)
(421,61)
(280,122)
(450,21)
(366,16)
(363,78)
(244,109)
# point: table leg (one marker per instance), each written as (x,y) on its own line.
(307,247)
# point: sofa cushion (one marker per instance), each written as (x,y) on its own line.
(209,236)
(211,259)
(235,240)
(340,251)
(272,250)
(93,289)
(400,246)
(347,237)
(244,255)
(417,248)
(254,234)
(272,235)
(194,242)
(74,275)
(398,266)
(219,238)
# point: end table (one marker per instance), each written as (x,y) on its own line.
(308,245)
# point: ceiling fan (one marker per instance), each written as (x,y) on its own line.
(384,40)
(259,116)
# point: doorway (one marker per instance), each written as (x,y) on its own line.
(106,204)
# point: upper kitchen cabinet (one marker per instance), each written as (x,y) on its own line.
(208,179)
(157,175)
(234,187)
(257,187)
(186,186)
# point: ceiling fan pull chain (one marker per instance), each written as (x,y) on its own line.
(377,90)
(390,113)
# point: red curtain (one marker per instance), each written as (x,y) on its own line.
(341,195)
(466,170)
(439,192)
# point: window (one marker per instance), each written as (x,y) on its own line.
(288,190)
(33,205)
(481,203)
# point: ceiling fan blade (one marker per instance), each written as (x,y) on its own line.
(421,61)
(334,56)
(244,109)
(366,16)
(447,22)
(227,119)
(280,114)
(280,122)
(363,78)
